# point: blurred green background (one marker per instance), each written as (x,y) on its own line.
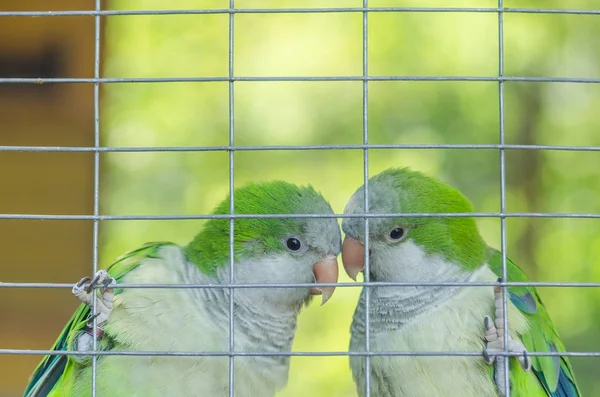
(311,113)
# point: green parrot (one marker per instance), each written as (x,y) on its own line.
(442,318)
(266,250)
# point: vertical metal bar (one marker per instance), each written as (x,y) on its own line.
(231,199)
(96,183)
(365,67)
(506,360)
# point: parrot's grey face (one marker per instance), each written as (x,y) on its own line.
(272,247)
(411,248)
(298,251)
(387,236)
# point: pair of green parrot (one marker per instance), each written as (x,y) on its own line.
(304,250)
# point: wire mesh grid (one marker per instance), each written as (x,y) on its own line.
(231,148)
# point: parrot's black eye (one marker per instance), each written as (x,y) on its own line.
(293,244)
(397,233)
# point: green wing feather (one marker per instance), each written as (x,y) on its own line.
(554,374)
(52,373)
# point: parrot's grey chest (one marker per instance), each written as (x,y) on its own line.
(452,323)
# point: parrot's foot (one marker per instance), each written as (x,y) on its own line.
(494,336)
(104,298)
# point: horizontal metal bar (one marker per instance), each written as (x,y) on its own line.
(285,354)
(424,146)
(298,11)
(537,284)
(298,216)
(218,79)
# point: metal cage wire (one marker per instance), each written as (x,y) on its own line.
(98,12)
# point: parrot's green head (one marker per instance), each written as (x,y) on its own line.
(411,249)
(272,250)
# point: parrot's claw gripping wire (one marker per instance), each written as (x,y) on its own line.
(104,298)
(494,336)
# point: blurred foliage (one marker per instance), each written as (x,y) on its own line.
(310,113)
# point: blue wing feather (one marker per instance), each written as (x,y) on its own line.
(525,303)
(52,367)
(555,374)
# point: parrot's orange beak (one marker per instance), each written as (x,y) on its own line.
(325,271)
(353,257)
